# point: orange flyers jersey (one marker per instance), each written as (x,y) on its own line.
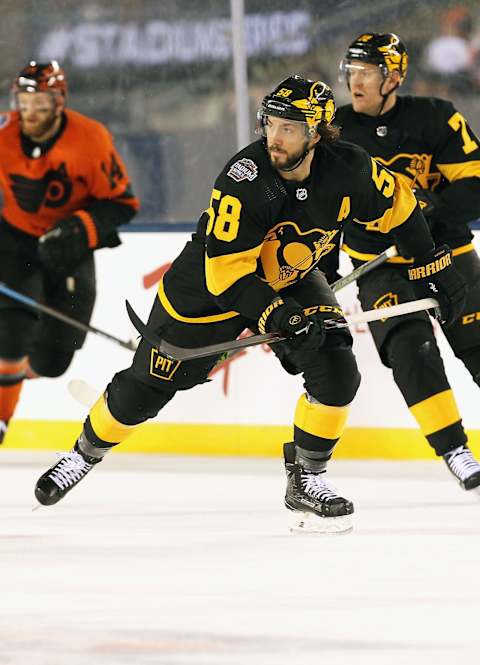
(81,166)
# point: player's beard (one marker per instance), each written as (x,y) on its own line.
(37,130)
(284,161)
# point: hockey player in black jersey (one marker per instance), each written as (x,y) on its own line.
(431,146)
(276,209)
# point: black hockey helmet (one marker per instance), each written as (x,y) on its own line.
(383,49)
(300,99)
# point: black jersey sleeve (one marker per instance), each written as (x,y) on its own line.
(457,155)
(238,219)
(389,206)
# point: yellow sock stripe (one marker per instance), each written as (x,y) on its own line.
(105,426)
(436,412)
(321,420)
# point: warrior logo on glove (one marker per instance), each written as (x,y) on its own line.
(437,274)
(431,268)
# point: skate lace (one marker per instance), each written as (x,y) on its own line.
(462,463)
(71,468)
(317,487)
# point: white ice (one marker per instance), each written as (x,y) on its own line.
(185,561)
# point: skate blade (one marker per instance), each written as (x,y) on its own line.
(83,393)
(309,523)
(475,491)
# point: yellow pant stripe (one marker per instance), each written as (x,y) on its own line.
(168,307)
(321,420)
(105,426)
(436,412)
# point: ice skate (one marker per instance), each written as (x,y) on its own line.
(60,478)
(316,505)
(464,467)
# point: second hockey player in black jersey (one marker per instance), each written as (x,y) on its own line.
(432,148)
(276,209)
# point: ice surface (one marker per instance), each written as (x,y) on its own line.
(182,561)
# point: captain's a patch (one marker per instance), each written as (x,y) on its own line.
(243,169)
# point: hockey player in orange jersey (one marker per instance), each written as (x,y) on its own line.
(65,191)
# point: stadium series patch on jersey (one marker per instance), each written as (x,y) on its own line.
(244,169)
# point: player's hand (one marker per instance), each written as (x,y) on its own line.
(61,248)
(434,276)
(428,201)
(288,318)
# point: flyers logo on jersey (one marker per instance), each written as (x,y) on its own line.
(52,190)
(162,367)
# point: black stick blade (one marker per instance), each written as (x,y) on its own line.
(148,335)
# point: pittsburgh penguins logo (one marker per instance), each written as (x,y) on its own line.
(416,168)
(288,254)
(52,190)
(386,300)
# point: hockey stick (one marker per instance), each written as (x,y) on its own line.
(83,393)
(181,353)
(341,283)
(15,295)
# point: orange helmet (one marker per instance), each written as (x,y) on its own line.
(41,77)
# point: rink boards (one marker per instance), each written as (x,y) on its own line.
(248,406)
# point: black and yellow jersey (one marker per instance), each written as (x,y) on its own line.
(431,145)
(262,233)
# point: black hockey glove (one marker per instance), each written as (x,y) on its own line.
(428,201)
(435,277)
(333,277)
(287,318)
(61,248)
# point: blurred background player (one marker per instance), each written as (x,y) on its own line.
(432,146)
(65,192)
(276,209)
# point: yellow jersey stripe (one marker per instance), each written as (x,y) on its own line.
(404,203)
(168,307)
(463,249)
(362,256)
(458,171)
(223,271)
(436,412)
